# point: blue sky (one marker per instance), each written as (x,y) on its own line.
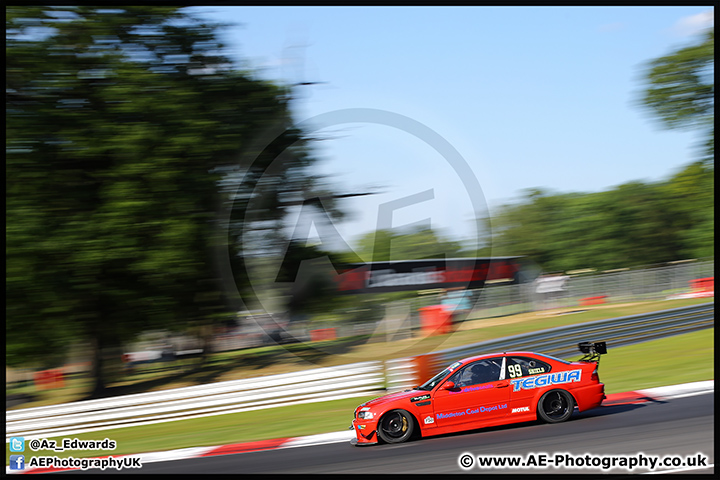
(527,97)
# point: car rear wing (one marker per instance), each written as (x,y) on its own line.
(592,351)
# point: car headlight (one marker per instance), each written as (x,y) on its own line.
(365,415)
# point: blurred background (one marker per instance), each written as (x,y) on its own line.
(164,204)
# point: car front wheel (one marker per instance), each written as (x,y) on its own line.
(395,426)
(556,406)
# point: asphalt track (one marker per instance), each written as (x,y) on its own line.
(679,427)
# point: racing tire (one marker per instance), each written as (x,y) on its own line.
(555,406)
(395,426)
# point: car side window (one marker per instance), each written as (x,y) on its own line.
(524,366)
(483,371)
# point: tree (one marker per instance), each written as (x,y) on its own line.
(680,89)
(630,225)
(417,244)
(690,197)
(121,122)
(532,227)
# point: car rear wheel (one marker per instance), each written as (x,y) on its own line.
(396,426)
(556,406)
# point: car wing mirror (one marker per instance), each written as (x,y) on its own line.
(448,386)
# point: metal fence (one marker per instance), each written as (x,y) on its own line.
(617,286)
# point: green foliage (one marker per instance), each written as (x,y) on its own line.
(690,195)
(681,89)
(631,225)
(121,122)
(419,244)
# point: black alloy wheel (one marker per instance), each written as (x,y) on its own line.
(396,426)
(556,406)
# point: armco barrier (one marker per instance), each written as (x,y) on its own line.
(346,381)
(562,341)
(400,374)
(320,384)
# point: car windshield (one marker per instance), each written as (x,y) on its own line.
(430,384)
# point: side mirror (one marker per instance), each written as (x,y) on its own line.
(448,386)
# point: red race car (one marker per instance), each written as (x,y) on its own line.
(484,391)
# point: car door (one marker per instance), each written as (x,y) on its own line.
(481,393)
(522,400)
